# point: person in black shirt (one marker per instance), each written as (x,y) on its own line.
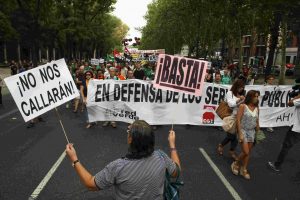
(13,67)
(139,72)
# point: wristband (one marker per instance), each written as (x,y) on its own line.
(74,163)
(173,149)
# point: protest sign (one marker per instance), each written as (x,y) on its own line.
(147,55)
(41,89)
(180,74)
(128,100)
(95,61)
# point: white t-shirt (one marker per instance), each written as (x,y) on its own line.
(296,116)
(231,101)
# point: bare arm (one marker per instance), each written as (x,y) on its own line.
(174,155)
(292,103)
(81,92)
(238,121)
(257,121)
(86,178)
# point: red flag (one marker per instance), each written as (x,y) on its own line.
(116,53)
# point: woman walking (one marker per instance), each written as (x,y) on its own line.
(83,91)
(247,126)
(234,98)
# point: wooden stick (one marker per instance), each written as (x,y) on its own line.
(61,124)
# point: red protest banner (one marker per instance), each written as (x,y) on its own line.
(180,74)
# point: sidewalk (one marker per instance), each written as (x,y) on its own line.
(4,72)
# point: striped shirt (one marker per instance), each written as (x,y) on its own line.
(136,179)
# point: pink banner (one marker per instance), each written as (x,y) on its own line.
(180,74)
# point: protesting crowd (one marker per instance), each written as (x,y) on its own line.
(239,111)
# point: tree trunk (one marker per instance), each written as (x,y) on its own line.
(34,54)
(253,41)
(273,43)
(283,50)
(298,51)
(47,54)
(241,53)
(53,54)
(5,52)
(223,48)
(19,52)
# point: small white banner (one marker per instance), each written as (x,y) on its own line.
(95,61)
(41,89)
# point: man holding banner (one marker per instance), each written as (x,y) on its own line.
(138,175)
(293,135)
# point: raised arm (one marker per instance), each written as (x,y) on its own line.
(86,178)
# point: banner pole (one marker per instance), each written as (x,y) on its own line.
(174,109)
(61,124)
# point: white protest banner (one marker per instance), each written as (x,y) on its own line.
(101,60)
(111,100)
(180,74)
(95,61)
(41,89)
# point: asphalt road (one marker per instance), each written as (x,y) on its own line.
(26,156)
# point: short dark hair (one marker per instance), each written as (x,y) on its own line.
(250,95)
(269,77)
(143,140)
(236,85)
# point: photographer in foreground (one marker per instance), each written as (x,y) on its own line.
(140,174)
(293,135)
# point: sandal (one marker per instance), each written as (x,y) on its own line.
(90,125)
(235,168)
(233,155)
(244,173)
(220,149)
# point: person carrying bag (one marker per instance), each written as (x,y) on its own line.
(233,99)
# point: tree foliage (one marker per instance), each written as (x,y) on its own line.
(201,25)
(74,27)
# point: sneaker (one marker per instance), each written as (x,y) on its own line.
(105,124)
(113,124)
(220,149)
(270,130)
(233,155)
(273,167)
(244,173)
(235,168)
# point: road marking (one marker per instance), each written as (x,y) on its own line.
(8,113)
(232,191)
(48,176)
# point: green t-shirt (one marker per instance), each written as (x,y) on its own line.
(226,80)
(149,73)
